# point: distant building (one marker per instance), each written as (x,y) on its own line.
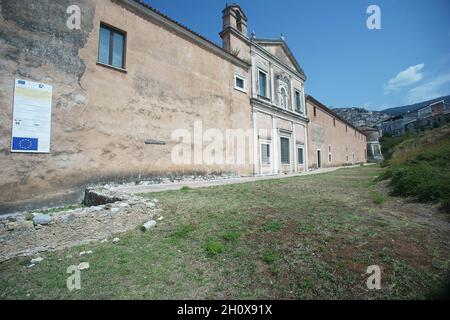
(373,144)
(431,116)
(425,118)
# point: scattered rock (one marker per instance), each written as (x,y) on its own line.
(31,265)
(104,240)
(83,266)
(36,260)
(95,197)
(149,224)
(160,218)
(115,240)
(150,205)
(42,219)
(115,210)
(123,205)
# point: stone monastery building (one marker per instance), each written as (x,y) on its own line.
(133,91)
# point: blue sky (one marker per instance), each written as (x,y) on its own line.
(347,64)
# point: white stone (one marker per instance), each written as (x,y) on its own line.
(83,266)
(104,240)
(160,218)
(150,205)
(115,210)
(31,265)
(42,219)
(149,224)
(123,204)
(36,260)
(115,240)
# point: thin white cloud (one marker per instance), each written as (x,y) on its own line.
(432,89)
(405,78)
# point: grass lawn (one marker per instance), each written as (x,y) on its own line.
(307,237)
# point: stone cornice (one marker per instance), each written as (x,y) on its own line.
(269,108)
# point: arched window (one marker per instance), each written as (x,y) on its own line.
(238,21)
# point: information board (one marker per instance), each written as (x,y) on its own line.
(32,117)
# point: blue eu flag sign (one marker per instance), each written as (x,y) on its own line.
(25,144)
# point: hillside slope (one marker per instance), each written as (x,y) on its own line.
(420,167)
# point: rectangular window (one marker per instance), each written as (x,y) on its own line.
(285,156)
(298,101)
(315,112)
(300,155)
(240,83)
(111,47)
(262,82)
(265,153)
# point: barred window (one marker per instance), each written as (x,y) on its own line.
(285,156)
(300,155)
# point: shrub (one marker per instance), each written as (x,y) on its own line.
(270,256)
(378,198)
(185,189)
(29,217)
(214,247)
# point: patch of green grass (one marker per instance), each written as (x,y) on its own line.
(272,226)
(378,198)
(182,231)
(214,247)
(231,236)
(308,237)
(185,189)
(270,256)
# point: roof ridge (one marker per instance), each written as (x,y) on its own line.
(331,112)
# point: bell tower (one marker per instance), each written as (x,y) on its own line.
(234,34)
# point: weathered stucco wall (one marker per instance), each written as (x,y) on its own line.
(101,117)
(324,133)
